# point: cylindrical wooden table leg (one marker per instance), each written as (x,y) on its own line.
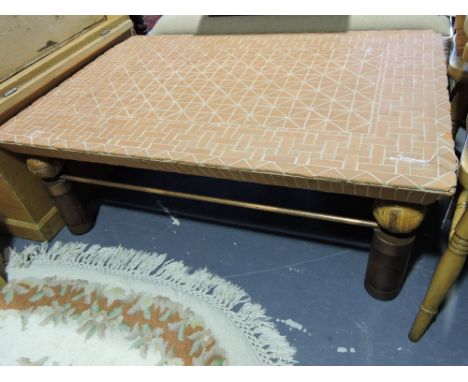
(445,275)
(73,211)
(388,261)
(391,248)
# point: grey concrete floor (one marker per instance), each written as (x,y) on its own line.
(308,275)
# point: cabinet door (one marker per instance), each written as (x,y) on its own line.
(26,39)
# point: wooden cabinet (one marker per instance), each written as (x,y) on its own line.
(38,52)
(37,77)
(25,208)
(27,39)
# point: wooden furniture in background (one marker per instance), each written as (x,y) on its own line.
(36,79)
(454,257)
(26,39)
(25,209)
(42,51)
(458,71)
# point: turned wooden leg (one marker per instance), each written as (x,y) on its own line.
(447,271)
(73,211)
(391,247)
(459,108)
(460,208)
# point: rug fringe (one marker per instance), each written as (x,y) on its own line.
(233,301)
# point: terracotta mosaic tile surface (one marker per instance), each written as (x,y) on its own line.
(359,112)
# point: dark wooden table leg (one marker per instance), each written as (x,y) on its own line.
(73,211)
(391,247)
(139,24)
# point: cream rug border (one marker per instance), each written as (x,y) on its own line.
(219,301)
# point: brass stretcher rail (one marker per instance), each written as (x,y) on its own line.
(224,201)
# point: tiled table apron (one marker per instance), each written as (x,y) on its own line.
(357,113)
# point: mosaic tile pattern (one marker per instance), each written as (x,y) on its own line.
(359,112)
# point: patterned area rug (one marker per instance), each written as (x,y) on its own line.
(74,304)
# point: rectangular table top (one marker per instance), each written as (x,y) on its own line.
(362,113)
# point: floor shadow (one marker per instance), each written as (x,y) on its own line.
(332,233)
(318,231)
(431,238)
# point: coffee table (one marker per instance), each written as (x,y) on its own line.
(357,113)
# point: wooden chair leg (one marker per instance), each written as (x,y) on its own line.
(391,247)
(459,108)
(460,207)
(2,282)
(446,273)
(73,211)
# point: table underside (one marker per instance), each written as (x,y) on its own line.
(360,113)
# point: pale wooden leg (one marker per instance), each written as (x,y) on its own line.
(446,273)
(454,257)
(391,247)
(73,211)
(459,108)
(2,275)
(457,70)
(460,208)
